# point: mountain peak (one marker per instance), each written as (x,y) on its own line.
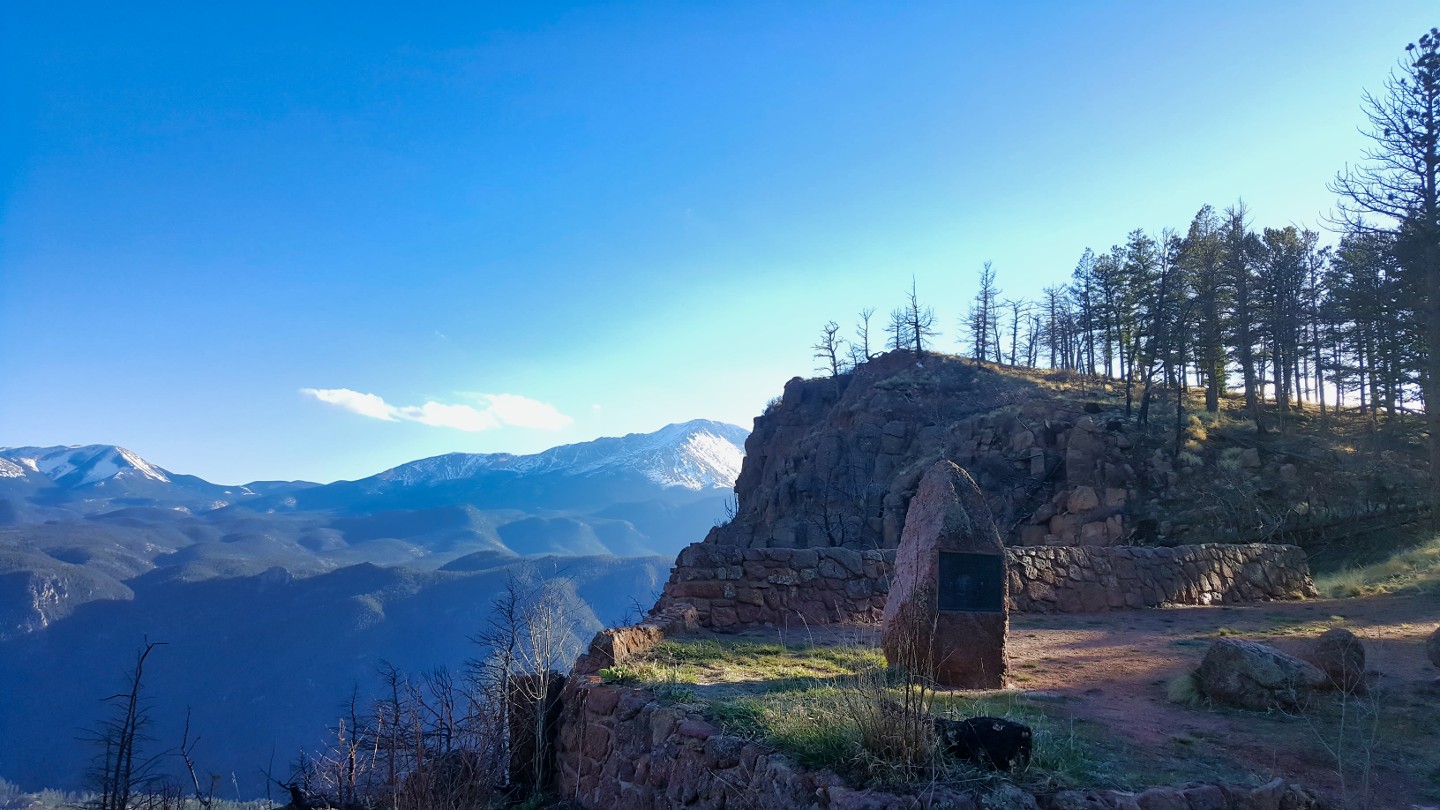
(79,465)
(696,455)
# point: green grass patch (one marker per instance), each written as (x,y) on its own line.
(825,727)
(835,707)
(1414,570)
(778,666)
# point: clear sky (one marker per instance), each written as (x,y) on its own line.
(305,240)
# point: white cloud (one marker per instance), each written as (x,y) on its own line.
(353,401)
(460,417)
(519,411)
(495,410)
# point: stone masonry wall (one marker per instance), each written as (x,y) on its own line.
(733,587)
(1083,579)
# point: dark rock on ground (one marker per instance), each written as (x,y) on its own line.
(1340,654)
(1250,675)
(990,742)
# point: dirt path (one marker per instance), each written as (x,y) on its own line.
(1113,668)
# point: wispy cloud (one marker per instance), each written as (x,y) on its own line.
(490,411)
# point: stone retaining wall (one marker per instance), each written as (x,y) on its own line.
(1085,579)
(620,746)
(732,587)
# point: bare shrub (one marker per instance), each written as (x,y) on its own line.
(438,742)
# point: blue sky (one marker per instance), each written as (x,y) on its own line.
(315,241)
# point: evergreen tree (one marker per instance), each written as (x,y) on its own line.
(1399,182)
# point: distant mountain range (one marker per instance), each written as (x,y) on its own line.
(289,592)
(695,456)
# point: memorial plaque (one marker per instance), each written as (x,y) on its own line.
(945,616)
(971,583)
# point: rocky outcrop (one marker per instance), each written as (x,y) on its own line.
(35,595)
(835,461)
(732,587)
(1250,675)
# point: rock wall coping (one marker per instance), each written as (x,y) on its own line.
(731,587)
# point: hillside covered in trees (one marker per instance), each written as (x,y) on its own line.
(1287,316)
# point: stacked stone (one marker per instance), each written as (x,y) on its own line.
(1080,579)
(616,645)
(731,587)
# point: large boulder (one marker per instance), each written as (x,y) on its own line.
(1432,647)
(1341,656)
(1250,675)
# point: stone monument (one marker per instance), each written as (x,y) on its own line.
(946,613)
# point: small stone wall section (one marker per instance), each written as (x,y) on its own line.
(616,645)
(731,587)
(1082,579)
(735,587)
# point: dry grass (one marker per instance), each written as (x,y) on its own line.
(1415,570)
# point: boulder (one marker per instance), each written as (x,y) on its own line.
(1250,675)
(1341,656)
(1082,499)
(1432,647)
(1083,452)
(990,742)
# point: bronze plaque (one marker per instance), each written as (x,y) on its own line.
(972,583)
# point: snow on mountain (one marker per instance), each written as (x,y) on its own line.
(79,465)
(694,455)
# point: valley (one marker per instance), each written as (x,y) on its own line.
(276,601)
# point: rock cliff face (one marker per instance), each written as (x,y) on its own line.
(835,461)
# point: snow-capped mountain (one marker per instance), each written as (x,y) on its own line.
(93,478)
(79,465)
(389,564)
(695,455)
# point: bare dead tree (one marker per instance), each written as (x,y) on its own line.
(122,770)
(919,322)
(898,336)
(828,351)
(860,346)
(529,644)
(204,795)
